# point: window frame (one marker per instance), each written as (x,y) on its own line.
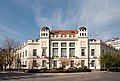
(63,53)
(43,63)
(70,52)
(25,52)
(54,53)
(44,51)
(55,44)
(92,63)
(72,45)
(34,52)
(82,63)
(83,52)
(63,44)
(92,52)
(55,64)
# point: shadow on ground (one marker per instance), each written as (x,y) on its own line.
(11,76)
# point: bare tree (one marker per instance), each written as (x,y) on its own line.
(77,63)
(2,58)
(30,63)
(64,62)
(8,54)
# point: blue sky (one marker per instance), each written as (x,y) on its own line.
(22,19)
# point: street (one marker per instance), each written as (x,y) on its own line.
(111,76)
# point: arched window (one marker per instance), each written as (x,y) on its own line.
(80,34)
(46,34)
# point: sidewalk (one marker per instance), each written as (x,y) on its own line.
(76,73)
(22,75)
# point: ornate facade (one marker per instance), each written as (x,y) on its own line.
(55,46)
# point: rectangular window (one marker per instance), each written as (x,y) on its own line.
(55,64)
(63,52)
(92,63)
(34,63)
(20,55)
(72,52)
(26,63)
(82,63)
(25,52)
(34,52)
(22,62)
(55,44)
(55,51)
(82,51)
(71,44)
(63,44)
(43,63)
(92,52)
(43,51)
(72,63)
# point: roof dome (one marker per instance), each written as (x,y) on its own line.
(92,39)
(82,28)
(45,28)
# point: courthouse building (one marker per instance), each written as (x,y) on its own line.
(54,46)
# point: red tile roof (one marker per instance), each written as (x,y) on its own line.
(64,32)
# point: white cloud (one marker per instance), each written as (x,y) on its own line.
(95,14)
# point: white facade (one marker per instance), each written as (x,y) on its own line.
(54,46)
(115,42)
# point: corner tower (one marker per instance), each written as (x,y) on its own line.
(45,45)
(83,45)
(44,32)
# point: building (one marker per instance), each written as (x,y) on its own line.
(54,46)
(115,42)
(96,49)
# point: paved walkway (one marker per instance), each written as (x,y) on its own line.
(98,76)
(21,75)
